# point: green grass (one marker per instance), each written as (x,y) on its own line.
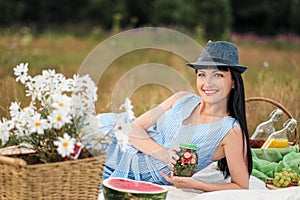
(65,52)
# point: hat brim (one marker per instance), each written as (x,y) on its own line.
(198,65)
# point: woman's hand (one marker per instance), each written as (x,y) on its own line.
(181,182)
(173,157)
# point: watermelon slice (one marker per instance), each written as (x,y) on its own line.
(127,189)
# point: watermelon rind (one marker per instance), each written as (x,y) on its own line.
(112,193)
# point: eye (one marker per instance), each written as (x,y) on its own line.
(201,74)
(219,75)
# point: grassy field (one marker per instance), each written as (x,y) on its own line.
(274,70)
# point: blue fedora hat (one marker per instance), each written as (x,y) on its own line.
(219,53)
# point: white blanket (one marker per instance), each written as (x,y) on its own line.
(257,190)
(292,193)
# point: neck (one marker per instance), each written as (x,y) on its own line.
(213,110)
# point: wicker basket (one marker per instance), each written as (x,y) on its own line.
(269,181)
(278,105)
(76,179)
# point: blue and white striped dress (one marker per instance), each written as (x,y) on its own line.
(168,132)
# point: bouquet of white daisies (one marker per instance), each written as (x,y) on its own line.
(60,122)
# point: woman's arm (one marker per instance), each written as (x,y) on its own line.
(235,149)
(139,137)
(237,163)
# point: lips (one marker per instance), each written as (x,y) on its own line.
(210,92)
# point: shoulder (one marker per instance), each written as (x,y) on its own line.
(175,98)
(231,122)
(187,97)
(181,94)
(234,136)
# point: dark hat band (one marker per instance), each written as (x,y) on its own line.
(219,60)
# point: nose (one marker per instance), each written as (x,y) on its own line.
(207,80)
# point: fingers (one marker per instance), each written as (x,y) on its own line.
(172,160)
(176,149)
(178,182)
(168,178)
(173,157)
(165,175)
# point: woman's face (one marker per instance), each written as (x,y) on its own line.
(214,85)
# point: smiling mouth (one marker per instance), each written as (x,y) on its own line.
(210,92)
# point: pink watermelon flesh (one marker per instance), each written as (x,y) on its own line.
(123,184)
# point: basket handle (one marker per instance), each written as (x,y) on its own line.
(15,162)
(275,103)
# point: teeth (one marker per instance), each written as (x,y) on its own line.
(209,91)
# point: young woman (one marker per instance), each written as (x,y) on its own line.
(215,120)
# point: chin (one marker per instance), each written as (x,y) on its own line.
(212,100)
(207,99)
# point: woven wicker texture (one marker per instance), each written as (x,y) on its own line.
(278,105)
(76,179)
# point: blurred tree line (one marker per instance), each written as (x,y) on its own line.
(213,18)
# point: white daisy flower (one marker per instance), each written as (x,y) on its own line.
(14,109)
(37,124)
(27,112)
(77,110)
(127,104)
(22,119)
(17,123)
(21,72)
(61,84)
(122,129)
(58,119)
(36,88)
(68,85)
(4,131)
(48,74)
(128,108)
(61,102)
(57,102)
(85,86)
(65,145)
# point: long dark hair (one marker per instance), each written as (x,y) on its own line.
(236,106)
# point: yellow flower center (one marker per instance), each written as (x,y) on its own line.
(65,144)
(61,104)
(58,118)
(37,123)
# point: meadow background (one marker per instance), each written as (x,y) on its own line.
(274,69)
(60,34)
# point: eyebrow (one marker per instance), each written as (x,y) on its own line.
(212,71)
